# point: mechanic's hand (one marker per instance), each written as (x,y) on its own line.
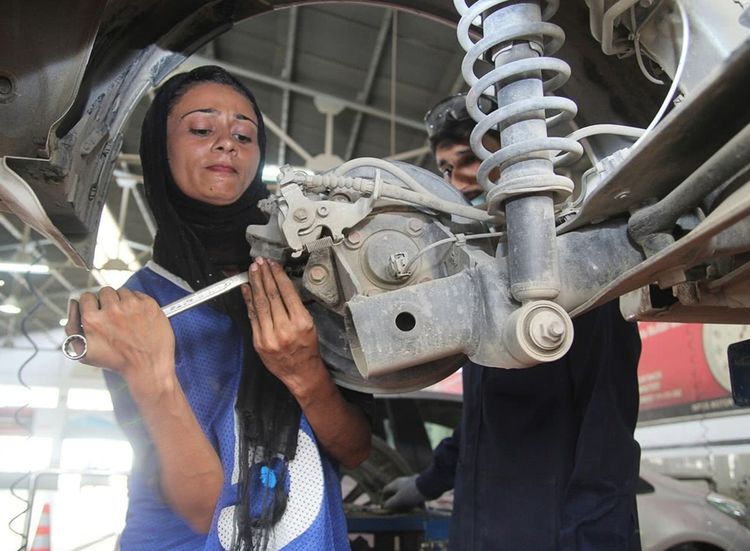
(126,332)
(402,494)
(283,330)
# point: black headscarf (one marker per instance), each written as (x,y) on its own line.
(194,240)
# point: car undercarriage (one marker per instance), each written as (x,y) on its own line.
(606,185)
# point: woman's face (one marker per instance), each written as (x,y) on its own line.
(212,143)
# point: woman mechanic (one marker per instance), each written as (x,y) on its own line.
(235,422)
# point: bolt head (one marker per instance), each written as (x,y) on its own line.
(317,273)
(322,211)
(300,215)
(415,225)
(556,329)
(546,330)
(354,239)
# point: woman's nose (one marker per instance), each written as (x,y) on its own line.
(224,141)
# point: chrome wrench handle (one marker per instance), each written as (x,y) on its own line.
(207,293)
(171,309)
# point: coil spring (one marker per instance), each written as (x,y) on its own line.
(535,147)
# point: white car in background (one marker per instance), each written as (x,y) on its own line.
(676,515)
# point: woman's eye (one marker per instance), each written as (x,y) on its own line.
(447,173)
(242,138)
(200,131)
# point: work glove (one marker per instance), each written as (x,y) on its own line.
(402,493)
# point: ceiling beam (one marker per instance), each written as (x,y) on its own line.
(364,94)
(19,236)
(20,280)
(286,74)
(198,60)
(128,179)
(286,138)
(410,154)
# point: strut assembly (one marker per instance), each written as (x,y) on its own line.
(517,42)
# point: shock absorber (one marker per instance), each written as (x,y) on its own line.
(519,178)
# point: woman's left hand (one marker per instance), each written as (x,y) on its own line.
(285,338)
(283,330)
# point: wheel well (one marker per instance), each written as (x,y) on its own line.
(695,546)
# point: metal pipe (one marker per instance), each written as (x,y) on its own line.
(364,95)
(530,219)
(306,91)
(730,162)
(732,241)
(18,235)
(145,212)
(328,139)
(283,136)
(740,274)
(409,154)
(608,25)
(286,74)
(47,302)
(532,254)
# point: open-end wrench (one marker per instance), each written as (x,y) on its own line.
(179,305)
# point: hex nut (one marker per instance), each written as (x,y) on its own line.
(415,226)
(317,273)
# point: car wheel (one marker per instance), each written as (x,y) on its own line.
(363,485)
(695,547)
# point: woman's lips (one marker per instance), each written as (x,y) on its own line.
(224,169)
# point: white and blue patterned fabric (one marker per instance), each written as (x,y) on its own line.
(208,362)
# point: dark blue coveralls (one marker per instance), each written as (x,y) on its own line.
(544,458)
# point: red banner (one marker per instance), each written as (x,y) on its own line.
(683,368)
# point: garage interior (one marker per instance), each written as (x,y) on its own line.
(335,81)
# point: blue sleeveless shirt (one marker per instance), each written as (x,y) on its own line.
(208,363)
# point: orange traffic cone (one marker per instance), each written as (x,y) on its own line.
(41,539)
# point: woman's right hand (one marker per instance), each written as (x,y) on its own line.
(126,332)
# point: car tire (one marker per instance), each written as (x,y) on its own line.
(362,486)
(695,547)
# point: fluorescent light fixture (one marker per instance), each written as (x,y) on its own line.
(10,306)
(23,268)
(89,399)
(23,454)
(16,396)
(95,453)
